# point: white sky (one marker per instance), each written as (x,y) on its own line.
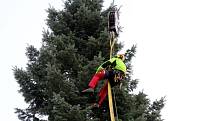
(175,55)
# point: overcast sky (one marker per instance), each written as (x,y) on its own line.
(175,51)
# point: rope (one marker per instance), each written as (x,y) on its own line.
(111,51)
(112,42)
(114,99)
(110,100)
(112,4)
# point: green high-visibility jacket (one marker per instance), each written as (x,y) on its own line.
(115,63)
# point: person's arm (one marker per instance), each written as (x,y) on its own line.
(111,63)
(106,64)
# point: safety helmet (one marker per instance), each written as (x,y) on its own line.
(121,56)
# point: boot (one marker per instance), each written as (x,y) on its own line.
(88,90)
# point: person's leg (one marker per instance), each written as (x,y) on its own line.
(109,75)
(98,76)
(103,93)
(94,81)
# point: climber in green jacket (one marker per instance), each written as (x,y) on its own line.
(114,70)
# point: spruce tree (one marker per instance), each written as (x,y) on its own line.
(75,44)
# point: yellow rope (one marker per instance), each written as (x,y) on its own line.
(110,99)
(112,42)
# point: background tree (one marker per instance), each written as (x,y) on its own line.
(75,44)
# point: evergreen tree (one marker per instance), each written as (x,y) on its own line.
(75,44)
